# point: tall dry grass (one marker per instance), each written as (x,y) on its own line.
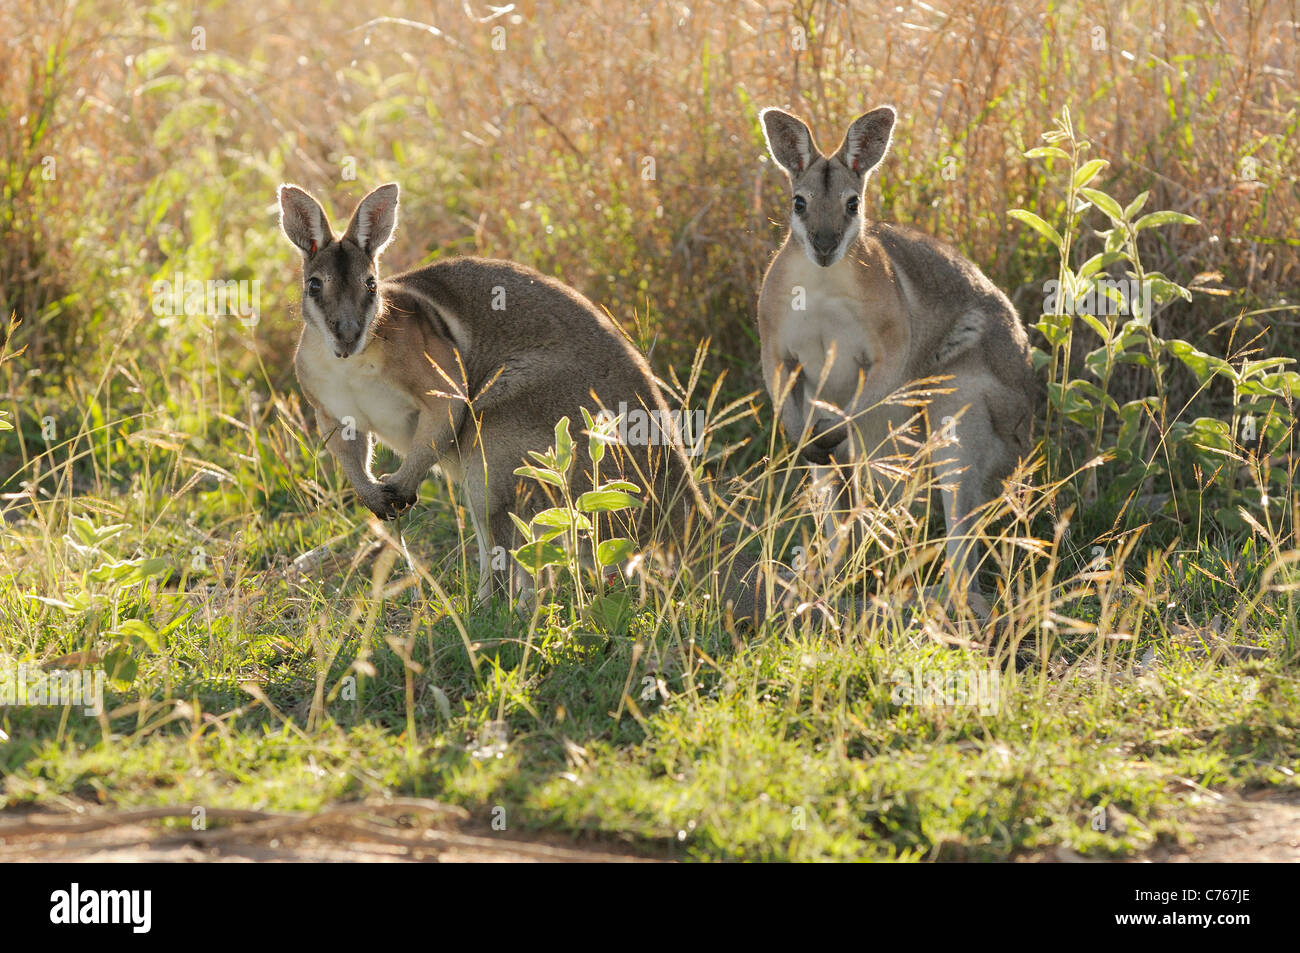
(530,133)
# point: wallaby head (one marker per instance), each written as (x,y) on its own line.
(340,280)
(826,214)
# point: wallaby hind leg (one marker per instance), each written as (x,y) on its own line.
(833,507)
(963,469)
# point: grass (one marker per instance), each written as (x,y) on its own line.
(161,478)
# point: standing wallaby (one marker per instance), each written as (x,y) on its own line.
(469,364)
(851,311)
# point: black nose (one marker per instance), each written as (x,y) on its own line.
(825,242)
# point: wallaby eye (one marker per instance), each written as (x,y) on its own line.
(852,205)
(313,286)
(800,204)
(370,284)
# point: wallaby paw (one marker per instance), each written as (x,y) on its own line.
(388,500)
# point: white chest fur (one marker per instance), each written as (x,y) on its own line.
(359,389)
(825,326)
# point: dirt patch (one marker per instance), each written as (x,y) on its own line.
(408,831)
(1261,828)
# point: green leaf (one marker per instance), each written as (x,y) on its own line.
(136,629)
(611,552)
(4,424)
(606,501)
(1162,289)
(610,612)
(1097,262)
(541,475)
(1105,203)
(563,518)
(1203,365)
(1046,152)
(1037,224)
(595,437)
(1165,217)
(1136,205)
(128,572)
(563,446)
(120,665)
(91,535)
(1088,171)
(620,485)
(536,556)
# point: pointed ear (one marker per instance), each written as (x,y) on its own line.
(867,140)
(374,220)
(788,139)
(303,220)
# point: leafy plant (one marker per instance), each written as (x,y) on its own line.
(1124,447)
(565,536)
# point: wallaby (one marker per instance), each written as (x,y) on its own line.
(852,310)
(469,363)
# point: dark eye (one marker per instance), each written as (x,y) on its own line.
(370,285)
(852,206)
(313,286)
(800,204)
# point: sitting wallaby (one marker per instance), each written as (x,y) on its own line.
(469,364)
(851,311)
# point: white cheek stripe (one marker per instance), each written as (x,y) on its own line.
(311,310)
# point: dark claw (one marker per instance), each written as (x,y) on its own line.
(393,503)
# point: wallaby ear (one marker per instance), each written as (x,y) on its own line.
(788,139)
(867,140)
(374,220)
(303,220)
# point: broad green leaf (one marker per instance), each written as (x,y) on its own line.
(1037,224)
(611,552)
(561,517)
(136,629)
(1136,205)
(606,501)
(1203,365)
(1166,217)
(1105,203)
(1045,152)
(541,475)
(536,556)
(120,665)
(1097,262)
(1088,171)
(610,612)
(1162,289)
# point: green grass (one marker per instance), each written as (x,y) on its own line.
(790,744)
(179,445)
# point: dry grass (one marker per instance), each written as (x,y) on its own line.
(167,156)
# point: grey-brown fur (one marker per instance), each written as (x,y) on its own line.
(884,306)
(469,364)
